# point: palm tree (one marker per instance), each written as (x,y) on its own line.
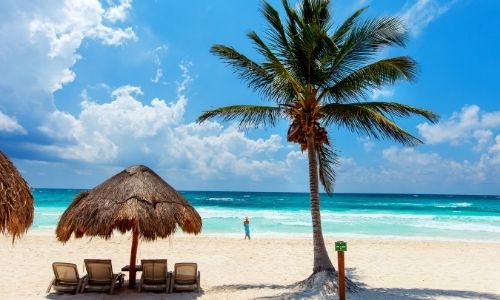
(318,76)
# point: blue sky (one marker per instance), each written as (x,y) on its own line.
(88,88)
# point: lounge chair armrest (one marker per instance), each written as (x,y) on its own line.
(116,277)
(50,285)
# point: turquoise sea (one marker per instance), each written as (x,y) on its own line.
(375,215)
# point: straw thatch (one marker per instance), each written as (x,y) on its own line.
(16,201)
(134,199)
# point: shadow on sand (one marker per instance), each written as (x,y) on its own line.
(364,292)
(124,293)
(291,291)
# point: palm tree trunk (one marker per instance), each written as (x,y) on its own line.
(321,260)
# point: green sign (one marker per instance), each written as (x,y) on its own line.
(340,246)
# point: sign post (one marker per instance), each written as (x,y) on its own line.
(340,247)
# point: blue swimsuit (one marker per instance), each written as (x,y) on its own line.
(247,229)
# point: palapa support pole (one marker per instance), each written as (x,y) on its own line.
(133,255)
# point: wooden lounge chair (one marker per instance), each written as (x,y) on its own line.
(100,276)
(155,276)
(66,278)
(186,277)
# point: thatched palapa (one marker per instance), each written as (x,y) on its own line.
(16,200)
(135,199)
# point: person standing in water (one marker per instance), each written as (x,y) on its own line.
(246,224)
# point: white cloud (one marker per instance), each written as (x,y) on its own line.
(381,93)
(157,61)
(110,131)
(410,170)
(209,150)
(414,170)
(73,22)
(494,152)
(10,124)
(367,143)
(406,156)
(483,138)
(431,167)
(422,12)
(125,130)
(294,156)
(491,119)
(462,126)
(39,42)
(186,78)
(100,129)
(118,12)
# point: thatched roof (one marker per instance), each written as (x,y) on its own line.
(136,196)
(16,201)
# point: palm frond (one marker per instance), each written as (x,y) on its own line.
(355,85)
(327,161)
(256,76)
(315,12)
(364,41)
(284,82)
(248,115)
(368,118)
(339,34)
(276,32)
(400,110)
(293,19)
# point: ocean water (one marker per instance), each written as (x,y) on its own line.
(375,215)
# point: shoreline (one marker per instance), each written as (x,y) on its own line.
(297,236)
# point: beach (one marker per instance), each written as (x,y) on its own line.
(266,267)
(398,246)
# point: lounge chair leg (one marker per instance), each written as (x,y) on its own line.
(171,283)
(199,281)
(84,285)
(50,285)
(167,282)
(112,288)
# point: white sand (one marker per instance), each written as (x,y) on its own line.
(267,268)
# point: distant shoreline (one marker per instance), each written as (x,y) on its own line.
(44,232)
